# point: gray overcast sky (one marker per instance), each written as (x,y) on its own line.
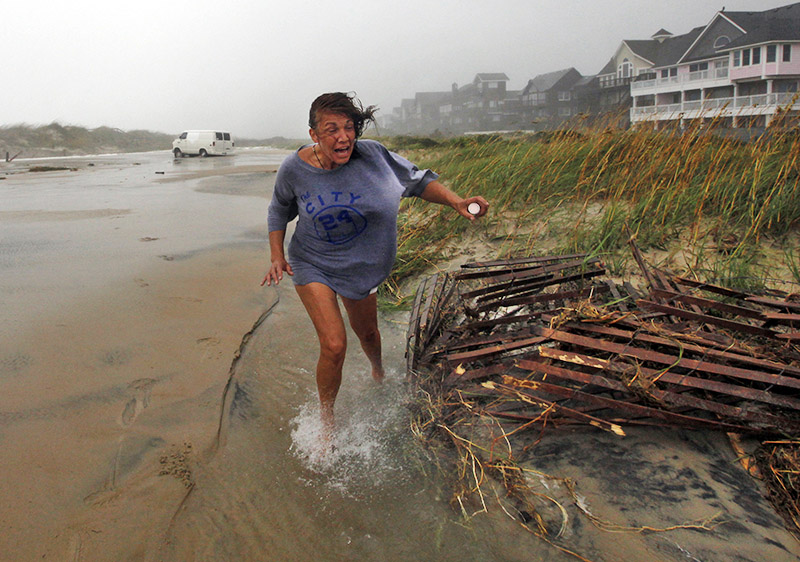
(254,66)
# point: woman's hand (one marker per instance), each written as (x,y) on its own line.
(275,271)
(278,263)
(435,192)
(462,207)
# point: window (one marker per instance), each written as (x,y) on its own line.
(721,41)
(737,58)
(183,136)
(218,136)
(772,53)
(563,111)
(667,72)
(757,55)
(698,66)
(746,57)
(563,96)
(787,53)
(645,101)
(692,95)
(625,70)
(721,68)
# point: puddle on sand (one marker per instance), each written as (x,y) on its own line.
(265,496)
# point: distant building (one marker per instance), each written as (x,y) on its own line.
(742,68)
(549,99)
(483,104)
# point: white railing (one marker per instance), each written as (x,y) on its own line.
(716,103)
(752,101)
(718,74)
(759,104)
(642,84)
(670,108)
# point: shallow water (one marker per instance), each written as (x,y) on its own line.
(267,494)
(64,234)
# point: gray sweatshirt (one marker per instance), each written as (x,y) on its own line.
(346,234)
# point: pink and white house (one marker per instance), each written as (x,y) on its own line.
(742,68)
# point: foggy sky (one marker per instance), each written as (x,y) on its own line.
(254,66)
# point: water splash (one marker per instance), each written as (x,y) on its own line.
(370,439)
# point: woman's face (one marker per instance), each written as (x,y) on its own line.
(336,137)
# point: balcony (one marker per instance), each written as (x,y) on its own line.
(761,104)
(690,81)
(614,82)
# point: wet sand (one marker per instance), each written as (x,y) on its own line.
(112,364)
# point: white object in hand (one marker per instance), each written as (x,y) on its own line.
(474,208)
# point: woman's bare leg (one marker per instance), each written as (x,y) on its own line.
(363,315)
(323,308)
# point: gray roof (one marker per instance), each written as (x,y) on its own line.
(665,52)
(778,24)
(609,68)
(491,77)
(545,82)
(467,89)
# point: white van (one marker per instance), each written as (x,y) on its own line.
(202,143)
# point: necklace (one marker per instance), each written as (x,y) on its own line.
(314,148)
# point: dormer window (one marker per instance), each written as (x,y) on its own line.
(625,70)
(721,41)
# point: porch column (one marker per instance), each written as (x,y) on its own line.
(769,117)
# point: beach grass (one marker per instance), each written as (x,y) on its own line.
(721,209)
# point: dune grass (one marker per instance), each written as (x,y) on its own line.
(718,201)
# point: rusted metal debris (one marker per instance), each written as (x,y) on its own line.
(553,340)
